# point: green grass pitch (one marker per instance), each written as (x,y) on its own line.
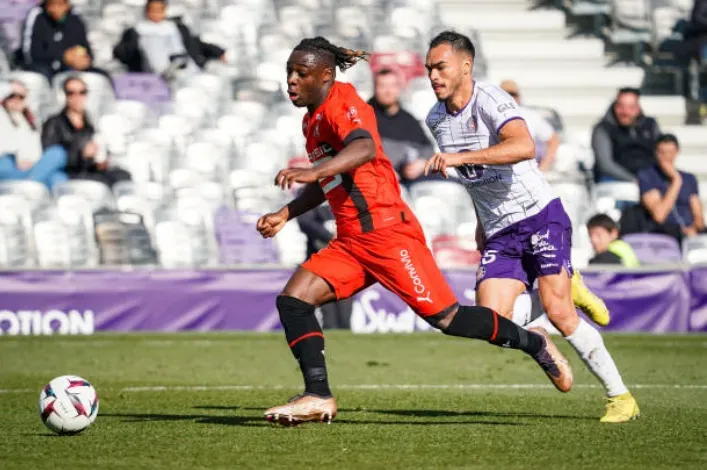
(173,401)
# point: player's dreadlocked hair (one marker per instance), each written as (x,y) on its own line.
(343,58)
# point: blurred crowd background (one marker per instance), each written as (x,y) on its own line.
(148,133)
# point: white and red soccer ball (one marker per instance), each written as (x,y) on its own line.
(68,404)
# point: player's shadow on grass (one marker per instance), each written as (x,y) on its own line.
(197,418)
(419,413)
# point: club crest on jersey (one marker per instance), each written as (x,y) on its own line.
(353,115)
(471,123)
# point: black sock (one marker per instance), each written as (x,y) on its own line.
(484,323)
(306,341)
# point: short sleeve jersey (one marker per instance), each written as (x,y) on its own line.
(653,178)
(502,194)
(367,197)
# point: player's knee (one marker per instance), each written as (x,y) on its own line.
(289,307)
(442,320)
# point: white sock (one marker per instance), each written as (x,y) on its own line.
(590,346)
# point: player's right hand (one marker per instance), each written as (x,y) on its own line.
(270,224)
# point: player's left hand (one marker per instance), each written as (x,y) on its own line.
(286,178)
(439,163)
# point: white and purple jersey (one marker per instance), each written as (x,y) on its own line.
(502,194)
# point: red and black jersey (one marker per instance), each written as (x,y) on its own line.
(367,197)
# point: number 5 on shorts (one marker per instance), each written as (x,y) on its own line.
(489,256)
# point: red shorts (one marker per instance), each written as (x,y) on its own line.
(396,256)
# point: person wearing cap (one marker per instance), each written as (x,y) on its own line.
(162,45)
(21,154)
(546,139)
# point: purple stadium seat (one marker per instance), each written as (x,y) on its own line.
(239,242)
(654,248)
(144,87)
(12,13)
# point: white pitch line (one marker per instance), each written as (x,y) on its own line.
(214,388)
(200,388)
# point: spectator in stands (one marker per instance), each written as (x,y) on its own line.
(73,130)
(163,46)
(54,40)
(318,226)
(696,31)
(608,247)
(671,196)
(624,140)
(546,139)
(21,155)
(404,140)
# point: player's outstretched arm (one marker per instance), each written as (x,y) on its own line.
(352,156)
(515,145)
(310,197)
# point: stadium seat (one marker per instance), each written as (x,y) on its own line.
(98,195)
(178,128)
(694,250)
(144,87)
(651,248)
(206,158)
(615,193)
(239,242)
(114,129)
(135,112)
(16,249)
(52,244)
(36,194)
(76,214)
(123,239)
(147,161)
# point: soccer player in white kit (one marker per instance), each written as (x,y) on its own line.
(523,229)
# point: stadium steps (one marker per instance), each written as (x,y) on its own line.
(537,86)
(569,75)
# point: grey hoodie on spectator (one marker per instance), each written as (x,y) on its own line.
(622,151)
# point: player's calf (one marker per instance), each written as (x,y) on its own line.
(306,341)
(484,323)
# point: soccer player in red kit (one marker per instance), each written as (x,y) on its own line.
(378,237)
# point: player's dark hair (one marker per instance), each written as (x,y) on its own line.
(343,58)
(602,221)
(630,90)
(667,139)
(458,41)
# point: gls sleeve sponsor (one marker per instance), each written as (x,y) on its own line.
(497,108)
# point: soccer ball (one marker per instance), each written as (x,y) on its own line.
(68,404)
